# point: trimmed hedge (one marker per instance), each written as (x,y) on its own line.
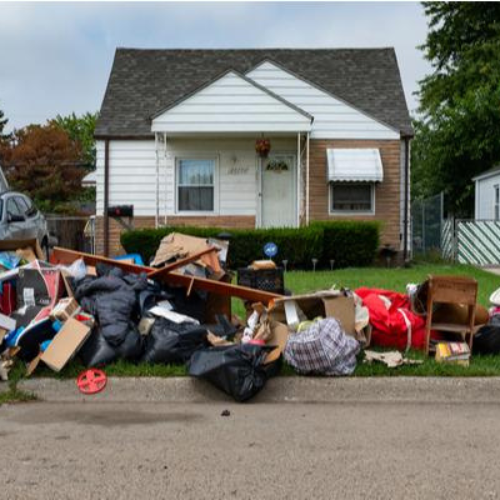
(348,243)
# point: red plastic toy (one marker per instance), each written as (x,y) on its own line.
(91,381)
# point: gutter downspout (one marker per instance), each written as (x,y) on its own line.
(407,189)
(106,197)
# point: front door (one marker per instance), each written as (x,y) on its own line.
(278,208)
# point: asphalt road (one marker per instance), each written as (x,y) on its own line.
(265,451)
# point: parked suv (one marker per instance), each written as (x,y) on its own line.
(21,220)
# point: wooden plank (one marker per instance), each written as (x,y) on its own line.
(219,288)
(65,256)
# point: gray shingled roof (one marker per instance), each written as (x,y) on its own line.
(143,82)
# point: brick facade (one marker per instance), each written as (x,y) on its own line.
(387,193)
(115,229)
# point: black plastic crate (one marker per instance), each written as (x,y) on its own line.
(269,280)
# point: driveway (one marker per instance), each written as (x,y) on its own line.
(260,451)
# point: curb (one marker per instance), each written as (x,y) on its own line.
(278,390)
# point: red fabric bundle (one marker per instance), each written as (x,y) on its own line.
(396,325)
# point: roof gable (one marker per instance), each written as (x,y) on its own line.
(333,117)
(232,103)
(143,82)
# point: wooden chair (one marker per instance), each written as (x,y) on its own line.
(451,290)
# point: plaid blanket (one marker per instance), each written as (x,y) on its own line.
(323,349)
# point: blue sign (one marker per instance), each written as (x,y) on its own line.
(270,249)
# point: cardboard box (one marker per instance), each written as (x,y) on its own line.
(286,313)
(65,344)
(65,309)
(30,249)
(325,304)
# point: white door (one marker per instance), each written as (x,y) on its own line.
(278,207)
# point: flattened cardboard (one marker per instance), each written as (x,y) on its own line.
(342,309)
(278,337)
(65,344)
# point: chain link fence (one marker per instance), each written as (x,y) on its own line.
(427,218)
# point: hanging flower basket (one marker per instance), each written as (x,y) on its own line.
(277,166)
(262,147)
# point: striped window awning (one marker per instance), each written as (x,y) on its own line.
(354,165)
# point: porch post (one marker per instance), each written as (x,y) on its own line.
(307,179)
(165,176)
(298,179)
(157,159)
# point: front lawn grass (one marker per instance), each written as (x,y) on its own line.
(307,281)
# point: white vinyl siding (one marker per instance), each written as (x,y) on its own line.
(231,104)
(333,119)
(486,192)
(132,173)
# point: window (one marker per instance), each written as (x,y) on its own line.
(497,202)
(13,208)
(195,185)
(351,197)
(21,203)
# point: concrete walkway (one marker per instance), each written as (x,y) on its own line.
(279,390)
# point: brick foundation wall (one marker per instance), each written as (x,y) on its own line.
(115,229)
(387,193)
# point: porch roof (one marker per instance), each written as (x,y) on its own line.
(361,165)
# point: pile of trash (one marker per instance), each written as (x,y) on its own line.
(178,311)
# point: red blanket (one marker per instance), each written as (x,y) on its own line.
(393,322)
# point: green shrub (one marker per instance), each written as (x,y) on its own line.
(298,246)
(349,243)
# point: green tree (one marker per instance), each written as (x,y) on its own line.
(3,124)
(81,129)
(458,127)
(43,162)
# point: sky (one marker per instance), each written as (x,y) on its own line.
(55,58)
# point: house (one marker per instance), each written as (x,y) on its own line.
(90,180)
(177,135)
(487,195)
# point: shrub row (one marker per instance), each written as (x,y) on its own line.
(347,243)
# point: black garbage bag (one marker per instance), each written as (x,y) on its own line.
(132,347)
(487,340)
(112,299)
(96,351)
(237,370)
(170,342)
